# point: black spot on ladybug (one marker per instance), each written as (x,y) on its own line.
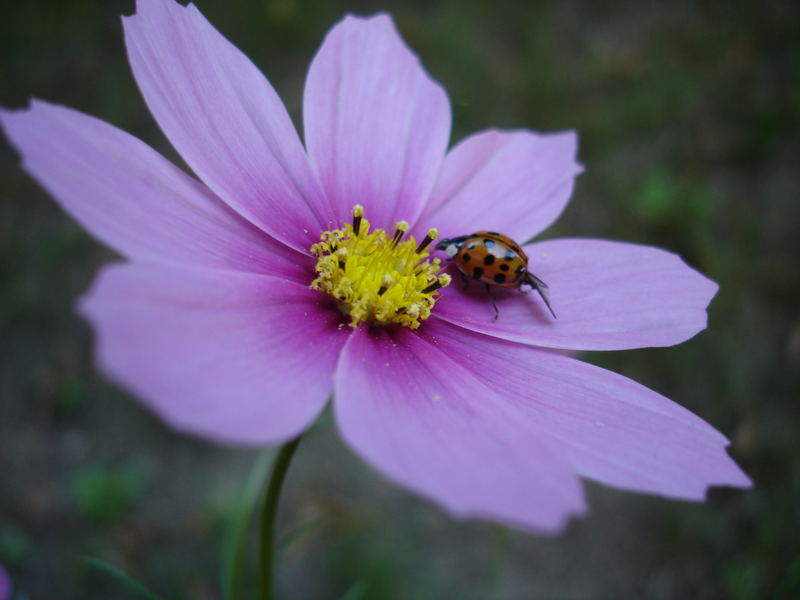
(488,259)
(499,278)
(477,272)
(466,257)
(488,243)
(510,255)
(504,267)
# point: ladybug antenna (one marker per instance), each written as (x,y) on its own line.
(541,287)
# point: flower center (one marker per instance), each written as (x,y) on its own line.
(377,278)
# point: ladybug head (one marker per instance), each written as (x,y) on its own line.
(456,241)
(451,246)
(443,244)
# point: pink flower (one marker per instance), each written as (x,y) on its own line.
(213,324)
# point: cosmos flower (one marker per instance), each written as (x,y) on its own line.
(253,294)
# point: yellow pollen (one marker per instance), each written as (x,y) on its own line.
(378,278)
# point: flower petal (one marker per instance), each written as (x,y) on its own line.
(376,125)
(606,296)
(422,418)
(133,199)
(233,357)
(514,182)
(225,119)
(611,429)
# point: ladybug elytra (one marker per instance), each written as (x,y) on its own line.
(494,259)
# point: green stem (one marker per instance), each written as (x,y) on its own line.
(268,512)
(235,547)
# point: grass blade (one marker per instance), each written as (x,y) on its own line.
(120,577)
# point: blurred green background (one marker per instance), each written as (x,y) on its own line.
(688,114)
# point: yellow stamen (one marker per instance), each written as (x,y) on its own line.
(432,234)
(376,278)
(400,229)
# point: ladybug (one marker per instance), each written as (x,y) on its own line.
(494,259)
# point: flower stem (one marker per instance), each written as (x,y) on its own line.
(235,546)
(268,512)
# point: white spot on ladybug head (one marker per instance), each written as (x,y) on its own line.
(451,250)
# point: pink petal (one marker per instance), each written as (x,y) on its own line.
(514,182)
(607,296)
(225,119)
(422,418)
(133,199)
(376,125)
(611,429)
(233,357)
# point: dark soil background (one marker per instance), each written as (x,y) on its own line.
(688,114)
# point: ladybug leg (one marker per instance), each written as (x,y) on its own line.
(465,280)
(489,295)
